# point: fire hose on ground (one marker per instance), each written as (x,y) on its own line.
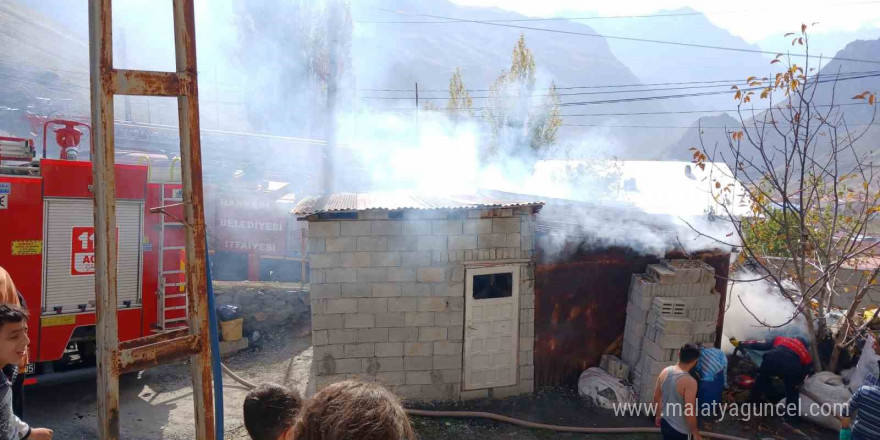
(515,421)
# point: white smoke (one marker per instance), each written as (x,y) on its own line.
(748,300)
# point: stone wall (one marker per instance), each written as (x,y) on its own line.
(672,304)
(388,296)
(265,306)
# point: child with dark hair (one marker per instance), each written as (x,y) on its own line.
(13,347)
(270,411)
(675,397)
(353,410)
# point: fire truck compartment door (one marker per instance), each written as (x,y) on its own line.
(69,283)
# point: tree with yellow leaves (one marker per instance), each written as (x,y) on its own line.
(813,197)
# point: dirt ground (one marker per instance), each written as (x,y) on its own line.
(158,404)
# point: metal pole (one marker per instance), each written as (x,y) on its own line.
(191,178)
(104,190)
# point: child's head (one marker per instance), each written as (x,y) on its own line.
(13,334)
(353,410)
(269,412)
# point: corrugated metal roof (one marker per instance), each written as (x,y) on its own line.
(342,202)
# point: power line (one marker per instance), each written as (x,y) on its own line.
(603,17)
(682,126)
(838,76)
(616,37)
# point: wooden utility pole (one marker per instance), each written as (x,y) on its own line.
(115,359)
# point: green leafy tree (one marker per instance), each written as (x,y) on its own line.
(513,115)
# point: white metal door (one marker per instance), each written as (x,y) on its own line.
(63,287)
(491,332)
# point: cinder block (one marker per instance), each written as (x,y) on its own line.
(403,243)
(359,350)
(450,376)
(432,242)
(341,244)
(414,289)
(527,315)
(505,225)
(416,258)
(416,227)
(387,227)
(392,378)
(391,319)
(322,291)
(527,372)
(478,226)
(661,273)
(675,325)
(385,259)
(355,228)
(373,335)
(355,259)
(417,363)
(316,276)
(432,304)
(418,349)
(433,333)
(447,348)
(360,320)
(457,274)
(323,229)
(652,350)
(356,290)
(439,258)
(665,306)
(489,241)
(327,322)
(403,334)
(320,337)
(342,305)
(425,319)
(446,319)
(324,261)
(440,392)
(389,349)
(447,362)
(371,274)
(338,336)
(703,327)
(448,290)
(403,305)
(526,386)
(462,242)
(446,227)
(331,351)
(673,341)
(372,305)
(341,275)
(399,274)
(372,244)
(316,245)
(348,366)
(383,365)
(526,357)
(432,274)
(385,291)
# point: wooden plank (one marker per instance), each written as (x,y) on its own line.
(104,178)
(194,215)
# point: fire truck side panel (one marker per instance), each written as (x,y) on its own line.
(21,243)
(64,178)
(57,330)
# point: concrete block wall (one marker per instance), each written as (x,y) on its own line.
(672,304)
(388,296)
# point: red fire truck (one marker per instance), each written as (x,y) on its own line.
(47,245)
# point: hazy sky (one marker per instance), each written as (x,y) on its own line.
(753,20)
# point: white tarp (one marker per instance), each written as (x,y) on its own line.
(604,389)
(830,388)
(867,370)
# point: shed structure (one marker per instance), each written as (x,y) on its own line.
(431,296)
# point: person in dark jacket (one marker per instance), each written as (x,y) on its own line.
(787,359)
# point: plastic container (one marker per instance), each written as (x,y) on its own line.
(231,329)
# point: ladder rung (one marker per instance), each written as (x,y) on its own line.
(171,272)
(173,199)
(172,320)
(173,248)
(168,309)
(175,284)
(172,224)
(176,295)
